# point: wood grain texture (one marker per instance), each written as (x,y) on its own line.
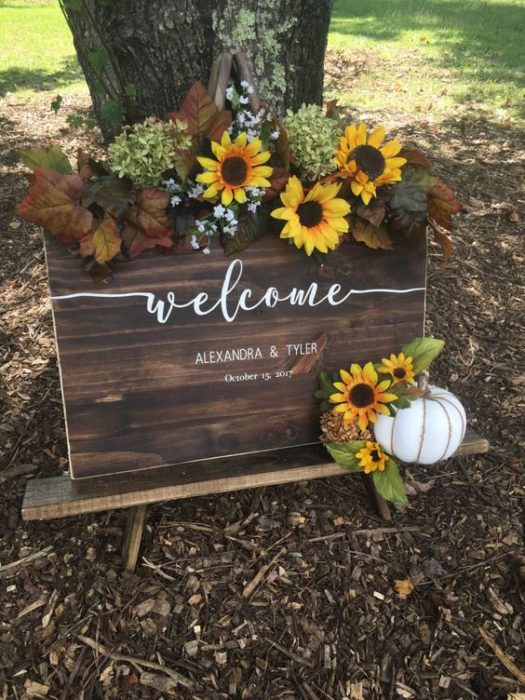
(135,396)
(60,496)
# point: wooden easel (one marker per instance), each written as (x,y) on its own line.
(61,497)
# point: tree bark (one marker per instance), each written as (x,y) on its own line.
(161,47)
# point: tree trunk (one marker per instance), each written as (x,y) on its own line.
(158,48)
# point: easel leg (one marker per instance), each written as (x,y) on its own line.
(376,500)
(133,537)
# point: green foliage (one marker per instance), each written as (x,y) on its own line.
(423,352)
(112,193)
(98,60)
(312,139)
(77,121)
(112,112)
(56,103)
(52,158)
(145,151)
(326,388)
(389,483)
(344,453)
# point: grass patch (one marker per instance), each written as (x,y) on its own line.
(436,54)
(36,49)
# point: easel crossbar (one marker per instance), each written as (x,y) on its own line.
(59,496)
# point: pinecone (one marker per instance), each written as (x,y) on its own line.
(334,430)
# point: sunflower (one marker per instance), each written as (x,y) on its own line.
(239,165)
(372,458)
(315,220)
(400,368)
(369,164)
(361,396)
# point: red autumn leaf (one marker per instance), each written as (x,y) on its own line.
(87,247)
(137,241)
(414,157)
(442,204)
(373,236)
(149,213)
(203,117)
(53,202)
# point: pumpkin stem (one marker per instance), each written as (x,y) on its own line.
(422,382)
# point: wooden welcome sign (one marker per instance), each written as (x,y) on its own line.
(185,358)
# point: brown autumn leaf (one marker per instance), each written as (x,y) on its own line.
(373,236)
(414,157)
(373,212)
(88,167)
(278,181)
(53,202)
(149,213)
(444,240)
(106,240)
(202,116)
(442,204)
(136,240)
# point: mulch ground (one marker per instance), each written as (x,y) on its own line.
(284,592)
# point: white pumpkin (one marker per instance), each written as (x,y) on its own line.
(430,430)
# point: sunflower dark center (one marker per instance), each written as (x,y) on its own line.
(362,395)
(375,455)
(234,171)
(310,213)
(369,159)
(400,373)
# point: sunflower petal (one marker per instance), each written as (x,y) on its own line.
(375,139)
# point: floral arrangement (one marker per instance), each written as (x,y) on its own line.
(351,402)
(206,174)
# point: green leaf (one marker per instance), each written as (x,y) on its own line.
(326,386)
(46,158)
(130,90)
(423,352)
(344,453)
(98,60)
(410,194)
(112,193)
(389,483)
(112,112)
(56,103)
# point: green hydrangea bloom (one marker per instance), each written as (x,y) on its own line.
(144,151)
(313,139)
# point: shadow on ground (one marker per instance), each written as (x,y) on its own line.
(15,79)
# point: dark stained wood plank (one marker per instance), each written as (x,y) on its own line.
(136,395)
(60,496)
